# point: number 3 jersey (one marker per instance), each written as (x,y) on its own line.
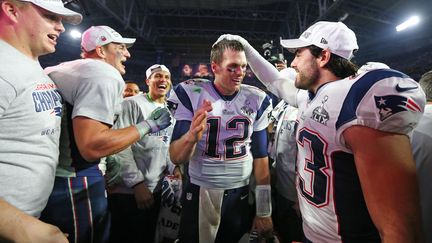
(330,195)
(222,158)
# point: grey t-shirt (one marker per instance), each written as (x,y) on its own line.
(30,115)
(90,88)
(284,150)
(146,159)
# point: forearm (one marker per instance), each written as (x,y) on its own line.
(281,85)
(181,150)
(261,171)
(264,70)
(11,220)
(17,226)
(107,142)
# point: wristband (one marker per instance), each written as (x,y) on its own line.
(143,128)
(263,200)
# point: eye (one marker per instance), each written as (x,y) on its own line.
(52,17)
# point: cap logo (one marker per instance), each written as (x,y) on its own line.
(103,38)
(306,34)
(323,41)
(155,69)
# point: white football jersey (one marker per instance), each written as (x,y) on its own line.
(222,158)
(330,195)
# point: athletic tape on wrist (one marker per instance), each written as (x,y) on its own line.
(263,200)
(143,128)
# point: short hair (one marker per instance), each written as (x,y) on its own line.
(87,54)
(19,4)
(426,83)
(219,48)
(339,66)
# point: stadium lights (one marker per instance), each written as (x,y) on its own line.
(75,34)
(408,23)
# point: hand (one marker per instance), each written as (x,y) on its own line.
(143,196)
(199,122)
(37,231)
(263,225)
(170,187)
(17,226)
(113,170)
(161,118)
(238,38)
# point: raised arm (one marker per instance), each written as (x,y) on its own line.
(266,72)
(181,150)
(387,175)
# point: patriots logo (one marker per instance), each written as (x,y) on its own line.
(389,105)
(57,111)
(172,107)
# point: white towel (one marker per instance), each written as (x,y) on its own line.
(210,204)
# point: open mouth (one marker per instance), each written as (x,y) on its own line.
(53,37)
(162,86)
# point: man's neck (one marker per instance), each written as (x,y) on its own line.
(325,77)
(12,38)
(221,90)
(156,99)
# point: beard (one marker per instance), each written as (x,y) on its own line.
(306,79)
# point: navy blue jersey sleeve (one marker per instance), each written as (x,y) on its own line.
(259,144)
(180,128)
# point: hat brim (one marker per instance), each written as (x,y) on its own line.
(127,41)
(68,15)
(293,44)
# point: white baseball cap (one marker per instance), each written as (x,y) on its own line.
(156,68)
(57,7)
(334,36)
(101,35)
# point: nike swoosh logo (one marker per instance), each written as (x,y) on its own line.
(243,197)
(403,89)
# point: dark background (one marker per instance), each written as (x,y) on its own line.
(178,32)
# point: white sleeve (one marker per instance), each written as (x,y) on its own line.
(385,100)
(275,81)
(263,120)
(130,115)
(180,104)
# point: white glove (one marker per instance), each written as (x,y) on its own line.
(171,187)
(238,38)
(159,119)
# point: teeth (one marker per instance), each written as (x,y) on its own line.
(53,37)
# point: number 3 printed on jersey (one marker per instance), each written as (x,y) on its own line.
(230,144)
(314,149)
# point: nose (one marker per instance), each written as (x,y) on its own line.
(294,63)
(59,26)
(239,70)
(127,53)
